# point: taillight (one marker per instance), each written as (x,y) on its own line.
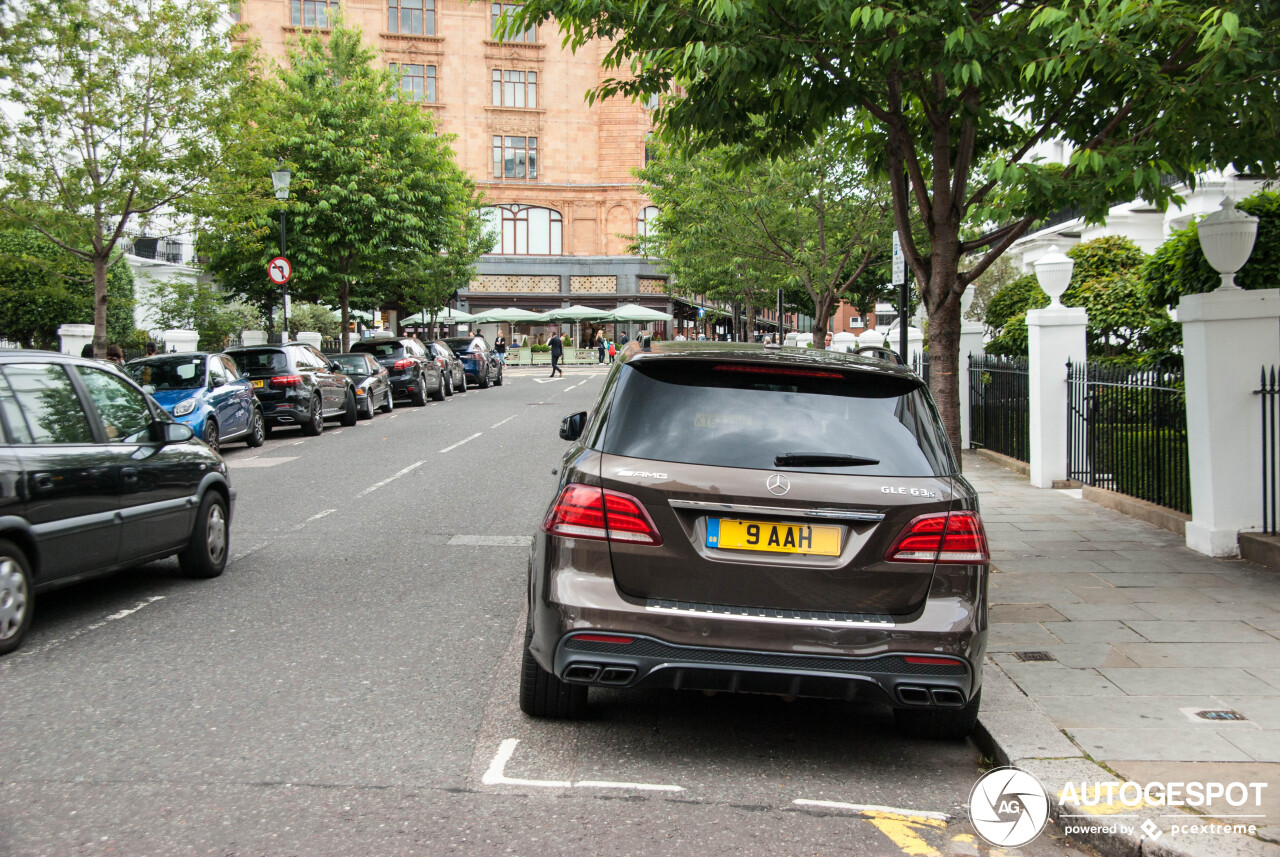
(955,538)
(401,365)
(932,661)
(584,512)
(605,638)
(286,381)
(751,368)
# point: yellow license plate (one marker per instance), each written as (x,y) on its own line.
(257,383)
(773,536)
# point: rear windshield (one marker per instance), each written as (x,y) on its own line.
(260,362)
(380,349)
(744,415)
(351,362)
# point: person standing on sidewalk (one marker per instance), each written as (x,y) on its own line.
(600,344)
(557,351)
(500,346)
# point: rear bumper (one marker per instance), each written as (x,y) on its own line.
(649,662)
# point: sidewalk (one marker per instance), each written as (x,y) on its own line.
(1140,635)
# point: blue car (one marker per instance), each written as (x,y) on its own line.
(204,391)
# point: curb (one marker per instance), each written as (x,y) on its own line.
(1013,730)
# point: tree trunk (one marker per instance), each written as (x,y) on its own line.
(100,306)
(751,323)
(344,301)
(944,349)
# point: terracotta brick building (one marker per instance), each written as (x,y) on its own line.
(556,171)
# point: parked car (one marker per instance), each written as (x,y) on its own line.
(96,477)
(204,391)
(413,373)
(373,387)
(455,377)
(296,385)
(741,518)
(482,366)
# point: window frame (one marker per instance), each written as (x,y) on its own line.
(496,11)
(320,9)
(506,89)
(500,146)
(428,79)
(427,17)
(517,215)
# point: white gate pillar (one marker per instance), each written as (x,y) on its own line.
(971,333)
(1056,335)
(1227,337)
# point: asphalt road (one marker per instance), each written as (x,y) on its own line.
(348,686)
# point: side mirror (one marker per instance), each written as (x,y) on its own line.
(572,425)
(335,366)
(167,433)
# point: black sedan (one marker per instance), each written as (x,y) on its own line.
(373,387)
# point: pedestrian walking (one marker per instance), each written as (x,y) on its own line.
(151,349)
(557,351)
(115,354)
(500,346)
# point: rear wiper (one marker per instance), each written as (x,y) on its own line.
(821,459)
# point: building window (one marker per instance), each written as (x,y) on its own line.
(515,157)
(515,88)
(414,17)
(311,13)
(524,230)
(418,81)
(496,12)
(646,224)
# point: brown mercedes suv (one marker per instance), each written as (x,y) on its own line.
(762,520)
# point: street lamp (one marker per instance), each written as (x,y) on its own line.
(280,182)
(1053,272)
(1227,237)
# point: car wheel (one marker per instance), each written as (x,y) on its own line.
(389,405)
(17,596)
(484,382)
(210,434)
(464,383)
(951,724)
(419,395)
(315,420)
(349,414)
(206,555)
(448,385)
(369,410)
(498,381)
(438,395)
(257,429)
(544,695)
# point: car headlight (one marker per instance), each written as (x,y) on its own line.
(184,407)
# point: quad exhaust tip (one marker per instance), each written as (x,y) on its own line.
(946,697)
(594,673)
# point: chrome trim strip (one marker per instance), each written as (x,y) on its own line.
(757,614)
(822,514)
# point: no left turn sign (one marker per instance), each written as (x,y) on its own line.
(279,270)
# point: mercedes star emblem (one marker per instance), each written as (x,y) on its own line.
(778,484)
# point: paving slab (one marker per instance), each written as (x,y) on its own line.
(1196,631)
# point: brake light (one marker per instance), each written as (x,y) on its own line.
(925,659)
(775,370)
(955,538)
(604,638)
(584,512)
(286,381)
(402,364)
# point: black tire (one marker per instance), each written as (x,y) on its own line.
(389,405)
(257,430)
(206,555)
(948,724)
(17,596)
(484,382)
(544,695)
(210,434)
(369,409)
(498,381)
(448,384)
(315,419)
(349,413)
(438,395)
(419,395)
(464,383)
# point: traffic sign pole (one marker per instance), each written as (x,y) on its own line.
(904,294)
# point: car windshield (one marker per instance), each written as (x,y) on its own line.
(264,362)
(747,415)
(381,349)
(181,372)
(352,364)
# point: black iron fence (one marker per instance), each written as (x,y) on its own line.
(1000,405)
(1127,432)
(1269,397)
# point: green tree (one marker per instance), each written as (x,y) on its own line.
(118,101)
(189,304)
(313,317)
(958,93)
(424,284)
(374,187)
(812,221)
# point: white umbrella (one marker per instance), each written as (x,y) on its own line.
(448,315)
(635,312)
(575,313)
(514,315)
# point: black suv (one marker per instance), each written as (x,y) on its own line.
(94,477)
(296,385)
(414,372)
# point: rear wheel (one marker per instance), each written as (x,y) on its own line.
(315,420)
(389,405)
(951,724)
(544,695)
(349,414)
(438,395)
(257,430)
(484,382)
(206,555)
(17,596)
(463,389)
(210,434)
(498,381)
(419,395)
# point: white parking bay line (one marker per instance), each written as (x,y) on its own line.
(260,462)
(871,809)
(507,420)
(496,776)
(119,614)
(461,442)
(390,479)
